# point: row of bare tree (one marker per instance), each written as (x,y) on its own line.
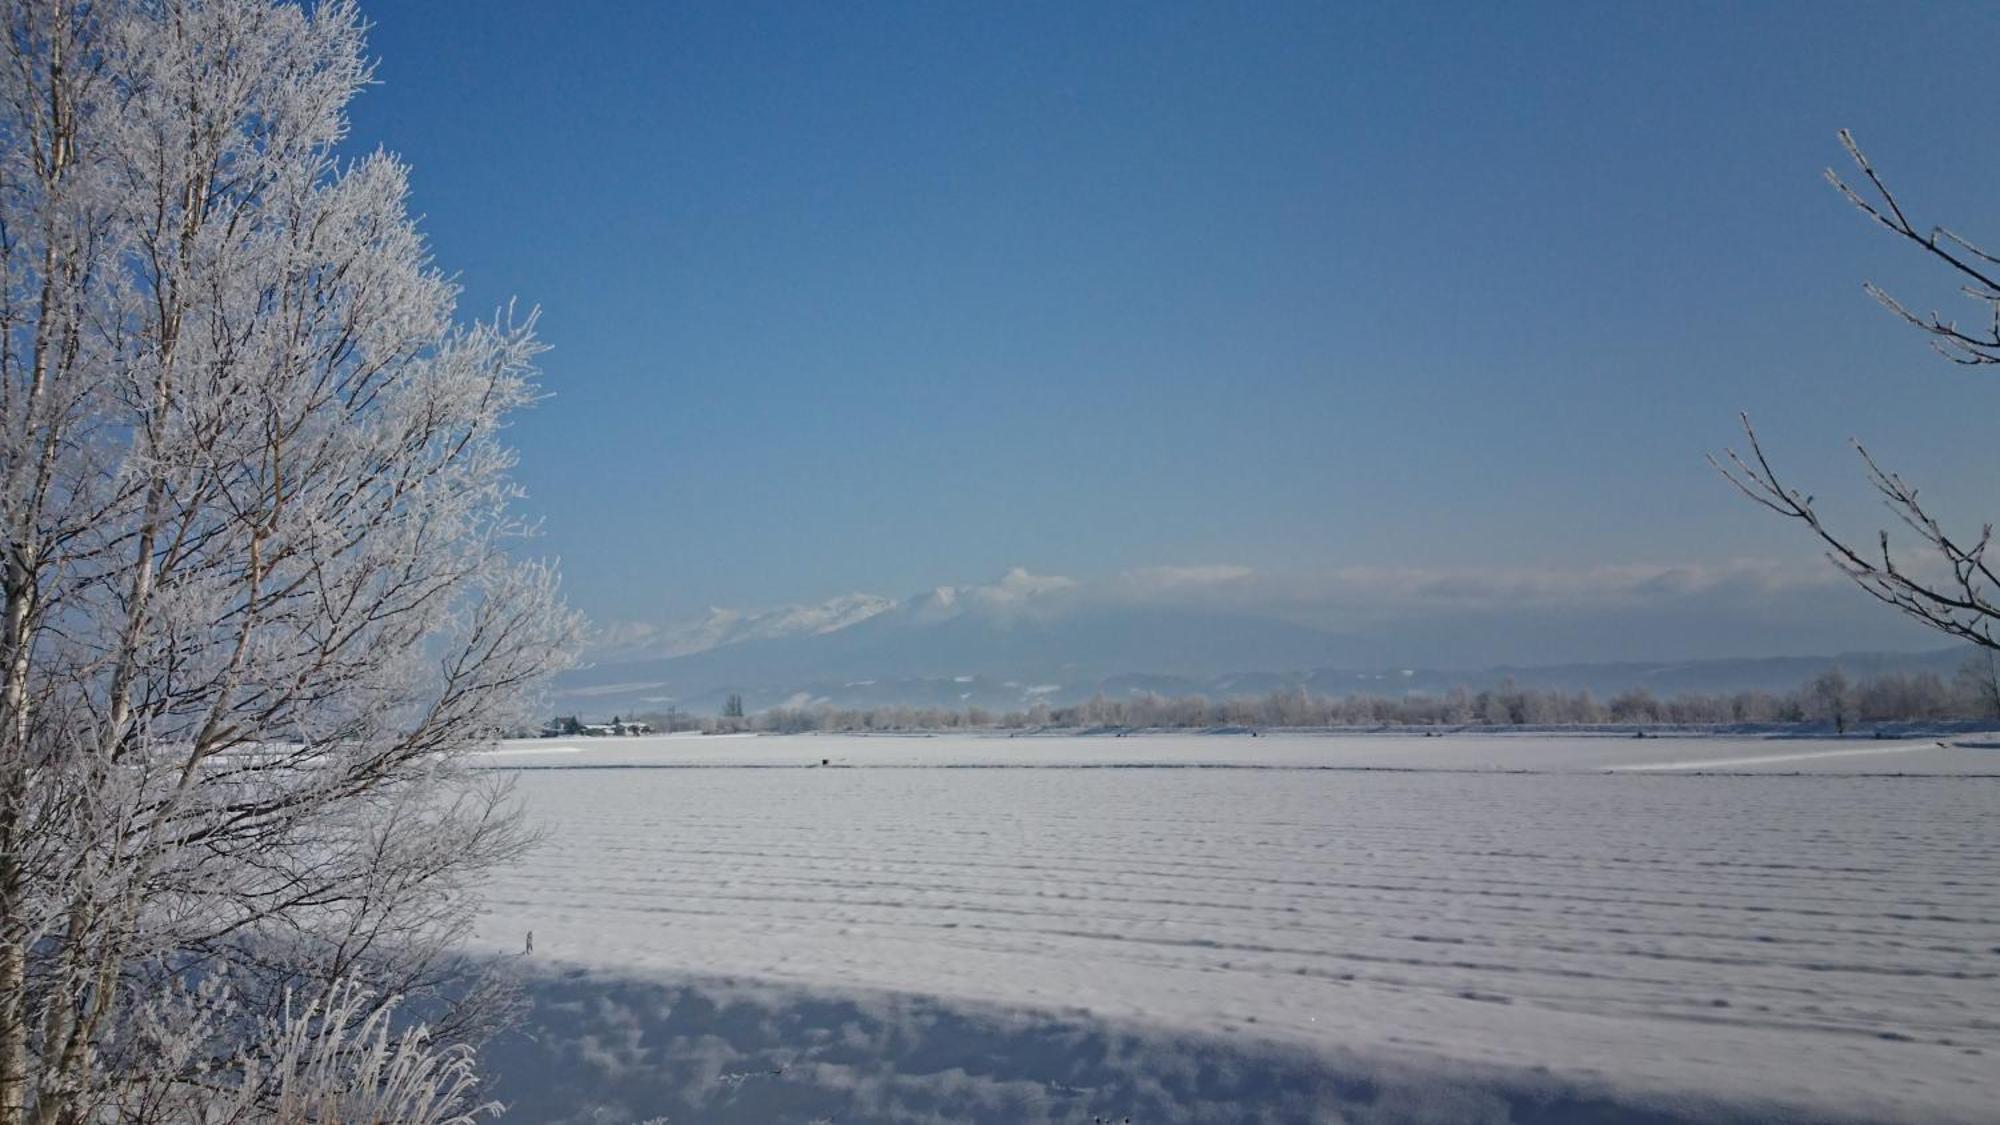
(1830,699)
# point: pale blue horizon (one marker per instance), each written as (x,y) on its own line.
(884,297)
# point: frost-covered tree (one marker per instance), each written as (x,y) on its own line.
(1949,584)
(255,595)
(1976,687)
(1829,698)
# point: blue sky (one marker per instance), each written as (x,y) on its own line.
(877,297)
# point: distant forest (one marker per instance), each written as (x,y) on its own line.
(1830,700)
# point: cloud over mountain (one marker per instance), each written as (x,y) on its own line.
(718,627)
(1180,625)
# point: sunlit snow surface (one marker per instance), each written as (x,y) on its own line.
(1712,927)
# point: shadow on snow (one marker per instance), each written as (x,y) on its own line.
(603,1050)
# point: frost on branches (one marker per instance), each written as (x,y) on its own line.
(256,595)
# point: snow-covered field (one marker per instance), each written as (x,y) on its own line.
(1699,927)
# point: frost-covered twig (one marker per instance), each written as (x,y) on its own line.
(258,574)
(1958,593)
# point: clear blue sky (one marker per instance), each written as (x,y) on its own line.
(878,297)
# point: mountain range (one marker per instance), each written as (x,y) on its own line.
(1035,638)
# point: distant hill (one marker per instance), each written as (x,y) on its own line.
(1025,639)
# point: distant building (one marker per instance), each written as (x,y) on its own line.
(616,728)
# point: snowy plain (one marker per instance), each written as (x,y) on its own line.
(1289,927)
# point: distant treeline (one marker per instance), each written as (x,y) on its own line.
(1830,699)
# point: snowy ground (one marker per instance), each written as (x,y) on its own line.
(1446,929)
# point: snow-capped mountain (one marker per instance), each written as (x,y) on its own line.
(1027,638)
(718,627)
(1021,636)
(1016,595)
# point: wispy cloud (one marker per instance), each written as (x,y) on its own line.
(1456,589)
(1454,614)
(1375,593)
(1167,581)
(1439,615)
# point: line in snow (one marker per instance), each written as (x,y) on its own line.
(1760,759)
(1683,769)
